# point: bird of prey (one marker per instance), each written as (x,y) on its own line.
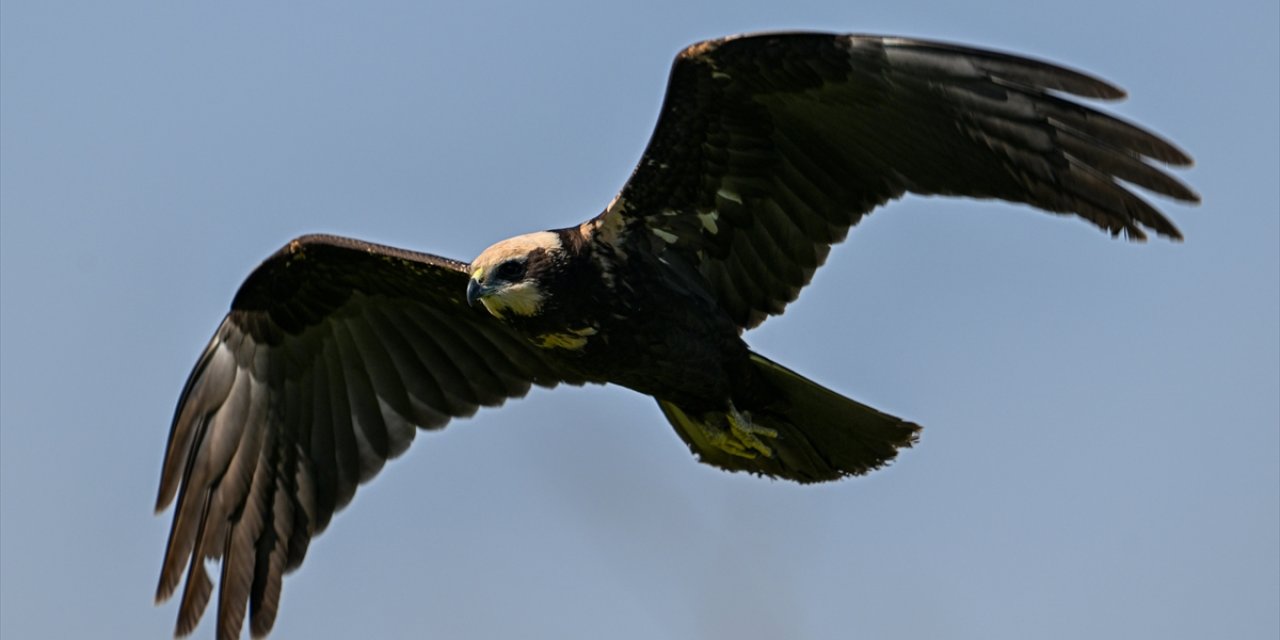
(767,149)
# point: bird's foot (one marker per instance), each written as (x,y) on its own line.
(742,438)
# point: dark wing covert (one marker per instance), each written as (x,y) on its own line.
(333,353)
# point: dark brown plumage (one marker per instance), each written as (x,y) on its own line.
(767,150)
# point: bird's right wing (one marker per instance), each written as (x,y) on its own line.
(334,352)
(769,147)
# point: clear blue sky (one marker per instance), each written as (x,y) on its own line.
(1102,423)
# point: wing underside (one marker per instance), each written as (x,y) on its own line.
(334,354)
(769,148)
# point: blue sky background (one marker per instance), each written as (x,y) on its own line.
(1102,422)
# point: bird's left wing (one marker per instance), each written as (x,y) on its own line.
(334,352)
(769,147)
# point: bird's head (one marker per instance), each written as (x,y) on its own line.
(507,277)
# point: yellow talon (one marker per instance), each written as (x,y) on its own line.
(729,431)
(726,443)
(745,433)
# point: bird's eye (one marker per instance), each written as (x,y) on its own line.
(510,270)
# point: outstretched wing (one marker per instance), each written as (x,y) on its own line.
(769,147)
(334,352)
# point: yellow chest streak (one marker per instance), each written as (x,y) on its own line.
(572,340)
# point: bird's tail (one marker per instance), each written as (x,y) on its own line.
(797,430)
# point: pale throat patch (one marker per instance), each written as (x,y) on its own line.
(521,298)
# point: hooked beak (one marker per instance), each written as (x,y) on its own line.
(475,291)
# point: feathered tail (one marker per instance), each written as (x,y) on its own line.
(820,434)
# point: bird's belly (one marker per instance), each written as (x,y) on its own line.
(690,364)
